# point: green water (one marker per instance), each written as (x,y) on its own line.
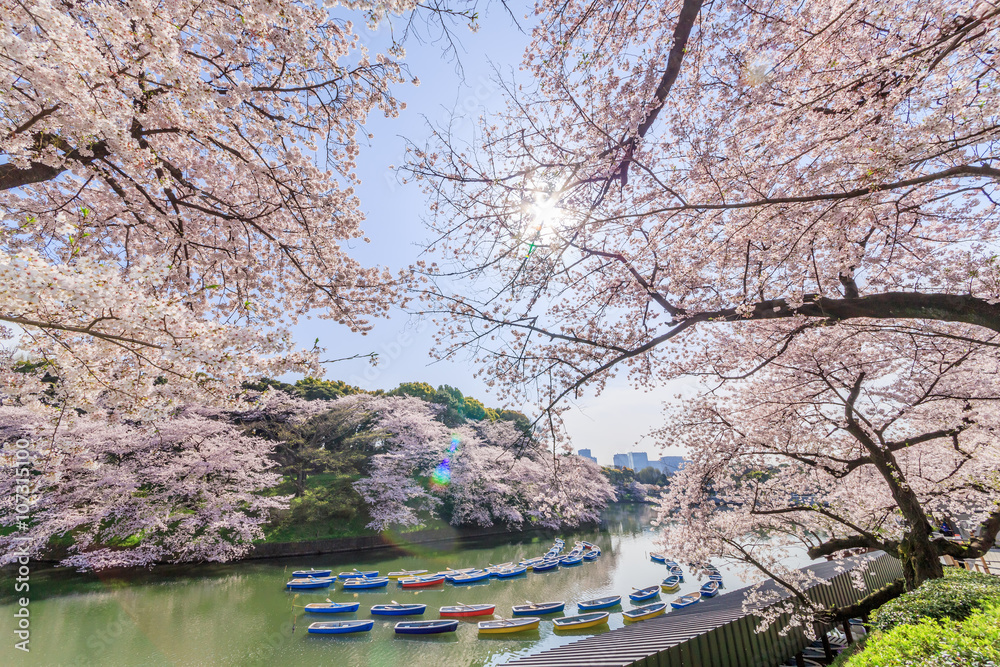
(240,614)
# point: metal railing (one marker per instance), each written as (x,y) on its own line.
(716,632)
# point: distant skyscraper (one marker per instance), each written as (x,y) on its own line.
(672,464)
(638,460)
(621,461)
(585,453)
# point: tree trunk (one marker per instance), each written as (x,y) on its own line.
(919,558)
(300,481)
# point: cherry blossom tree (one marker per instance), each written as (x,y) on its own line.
(177,186)
(853,438)
(485,472)
(188,488)
(686,164)
(723,189)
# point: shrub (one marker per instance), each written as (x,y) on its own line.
(954,597)
(974,642)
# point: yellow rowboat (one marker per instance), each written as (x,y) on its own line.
(406,573)
(581,621)
(670,584)
(647,611)
(508,625)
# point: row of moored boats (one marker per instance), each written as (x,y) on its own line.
(590,613)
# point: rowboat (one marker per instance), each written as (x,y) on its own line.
(380,582)
(677,572)
(508,625)
(710,589)
(592,554)
(658,558)
(599,603)
(686,600)
(478,575)
(585,545)
(358,574)
(510,572)
(299,574)
(533,608)
(310,582)
(648,611)
(331,607)
(421,582)
(396,609)
(581,621)
(671,564)
(493,569)
(448,573)
(425,627)
(570,560)
(716,577)
(641,594)
(531,562)
(547,564)
(670,584)
(464,610)
(340,627)
(406,574)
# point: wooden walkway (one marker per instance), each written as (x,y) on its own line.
(714,632)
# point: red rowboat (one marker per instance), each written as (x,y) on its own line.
(463,610)
(421,582)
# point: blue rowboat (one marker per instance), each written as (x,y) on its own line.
(309,582)
(710,589)
(380,582)
(396,609)
(537,608)
(546,565)
(469,578)
(591,555)
(570,560)
(530,562)
(716,577)
(358,574)
(425,627)
(686,600)
(599,603)
(510,572)
(641,594)
(642,613)
(670,563)
(670,584)
(332,607)
(340,627)
(493,569)
(677,572)
(658,558)
(299,574)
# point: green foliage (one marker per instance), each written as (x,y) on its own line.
(420,390)
(953,597)
(650,475)
(974,642)
(474,409)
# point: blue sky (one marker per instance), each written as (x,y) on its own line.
(613,422)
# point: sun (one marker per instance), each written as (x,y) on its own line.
(543,219)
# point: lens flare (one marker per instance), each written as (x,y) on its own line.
(441,476)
